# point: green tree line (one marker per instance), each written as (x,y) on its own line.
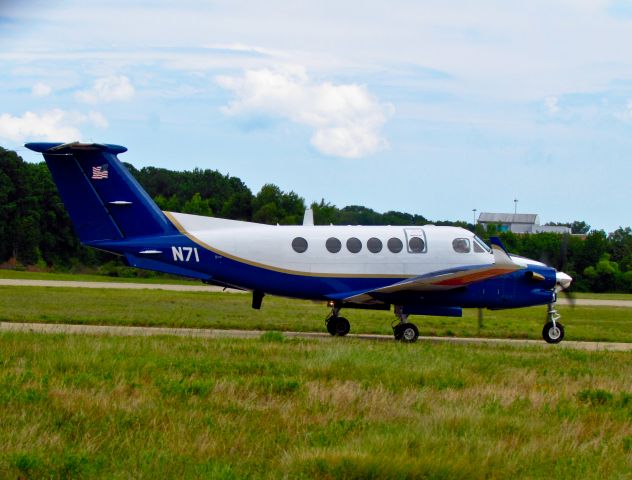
(35,229)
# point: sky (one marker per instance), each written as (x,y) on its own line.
(433,108)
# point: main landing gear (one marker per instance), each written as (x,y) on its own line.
(553,331)
(402,329)
(336,325)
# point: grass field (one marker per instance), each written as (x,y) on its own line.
(219,310)
(82,277)
(16,274)
(114,407)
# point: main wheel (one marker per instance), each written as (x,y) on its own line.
(338,326)
(406,332)
(342,327)
(553,333)
(331,325)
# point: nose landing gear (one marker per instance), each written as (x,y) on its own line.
(553,331)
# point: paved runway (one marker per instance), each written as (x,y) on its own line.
(214,333)
(117,285)
(209,288)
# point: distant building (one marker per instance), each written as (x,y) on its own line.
(519,223)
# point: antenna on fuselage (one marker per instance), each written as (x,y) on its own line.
(308,218)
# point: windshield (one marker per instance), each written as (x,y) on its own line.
(482,246)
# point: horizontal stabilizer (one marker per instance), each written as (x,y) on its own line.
(60,148)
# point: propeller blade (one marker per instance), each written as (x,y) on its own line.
(569,298)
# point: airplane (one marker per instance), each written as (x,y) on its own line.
(417,270)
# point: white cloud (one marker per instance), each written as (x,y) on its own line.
(54,125)
(107,89)
(346,119)
(41,90)
(551,105)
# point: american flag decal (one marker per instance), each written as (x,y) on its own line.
(100,172)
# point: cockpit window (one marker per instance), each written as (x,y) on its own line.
(461,245)
(480,246)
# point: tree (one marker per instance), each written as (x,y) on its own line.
(579,227)
(604,276)
(325,213)
(238,206)
(197,206)
(620,246)
(271,206)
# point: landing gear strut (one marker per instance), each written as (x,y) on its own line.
(336,325)
(402,329)
(553,331)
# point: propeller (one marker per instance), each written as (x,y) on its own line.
(563,280)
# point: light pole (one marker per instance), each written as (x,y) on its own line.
(474,211)
(515,205)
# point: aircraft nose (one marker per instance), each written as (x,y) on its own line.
(563,280)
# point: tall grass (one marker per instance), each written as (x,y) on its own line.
(159,407)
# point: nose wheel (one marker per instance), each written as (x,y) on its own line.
(553,331)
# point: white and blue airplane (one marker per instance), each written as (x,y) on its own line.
(419,270)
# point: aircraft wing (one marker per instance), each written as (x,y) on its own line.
(442,280)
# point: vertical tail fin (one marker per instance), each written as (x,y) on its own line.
(103,199)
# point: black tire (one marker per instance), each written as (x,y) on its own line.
(551,335)
(338,326)
(406,332)
(397,332)
(331,325)
(342,327)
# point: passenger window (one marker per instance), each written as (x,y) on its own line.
(374,245)
(415,240)
(416,245)
(461,245)
(354,245)
(333,245)
(395,245)
(299,244)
